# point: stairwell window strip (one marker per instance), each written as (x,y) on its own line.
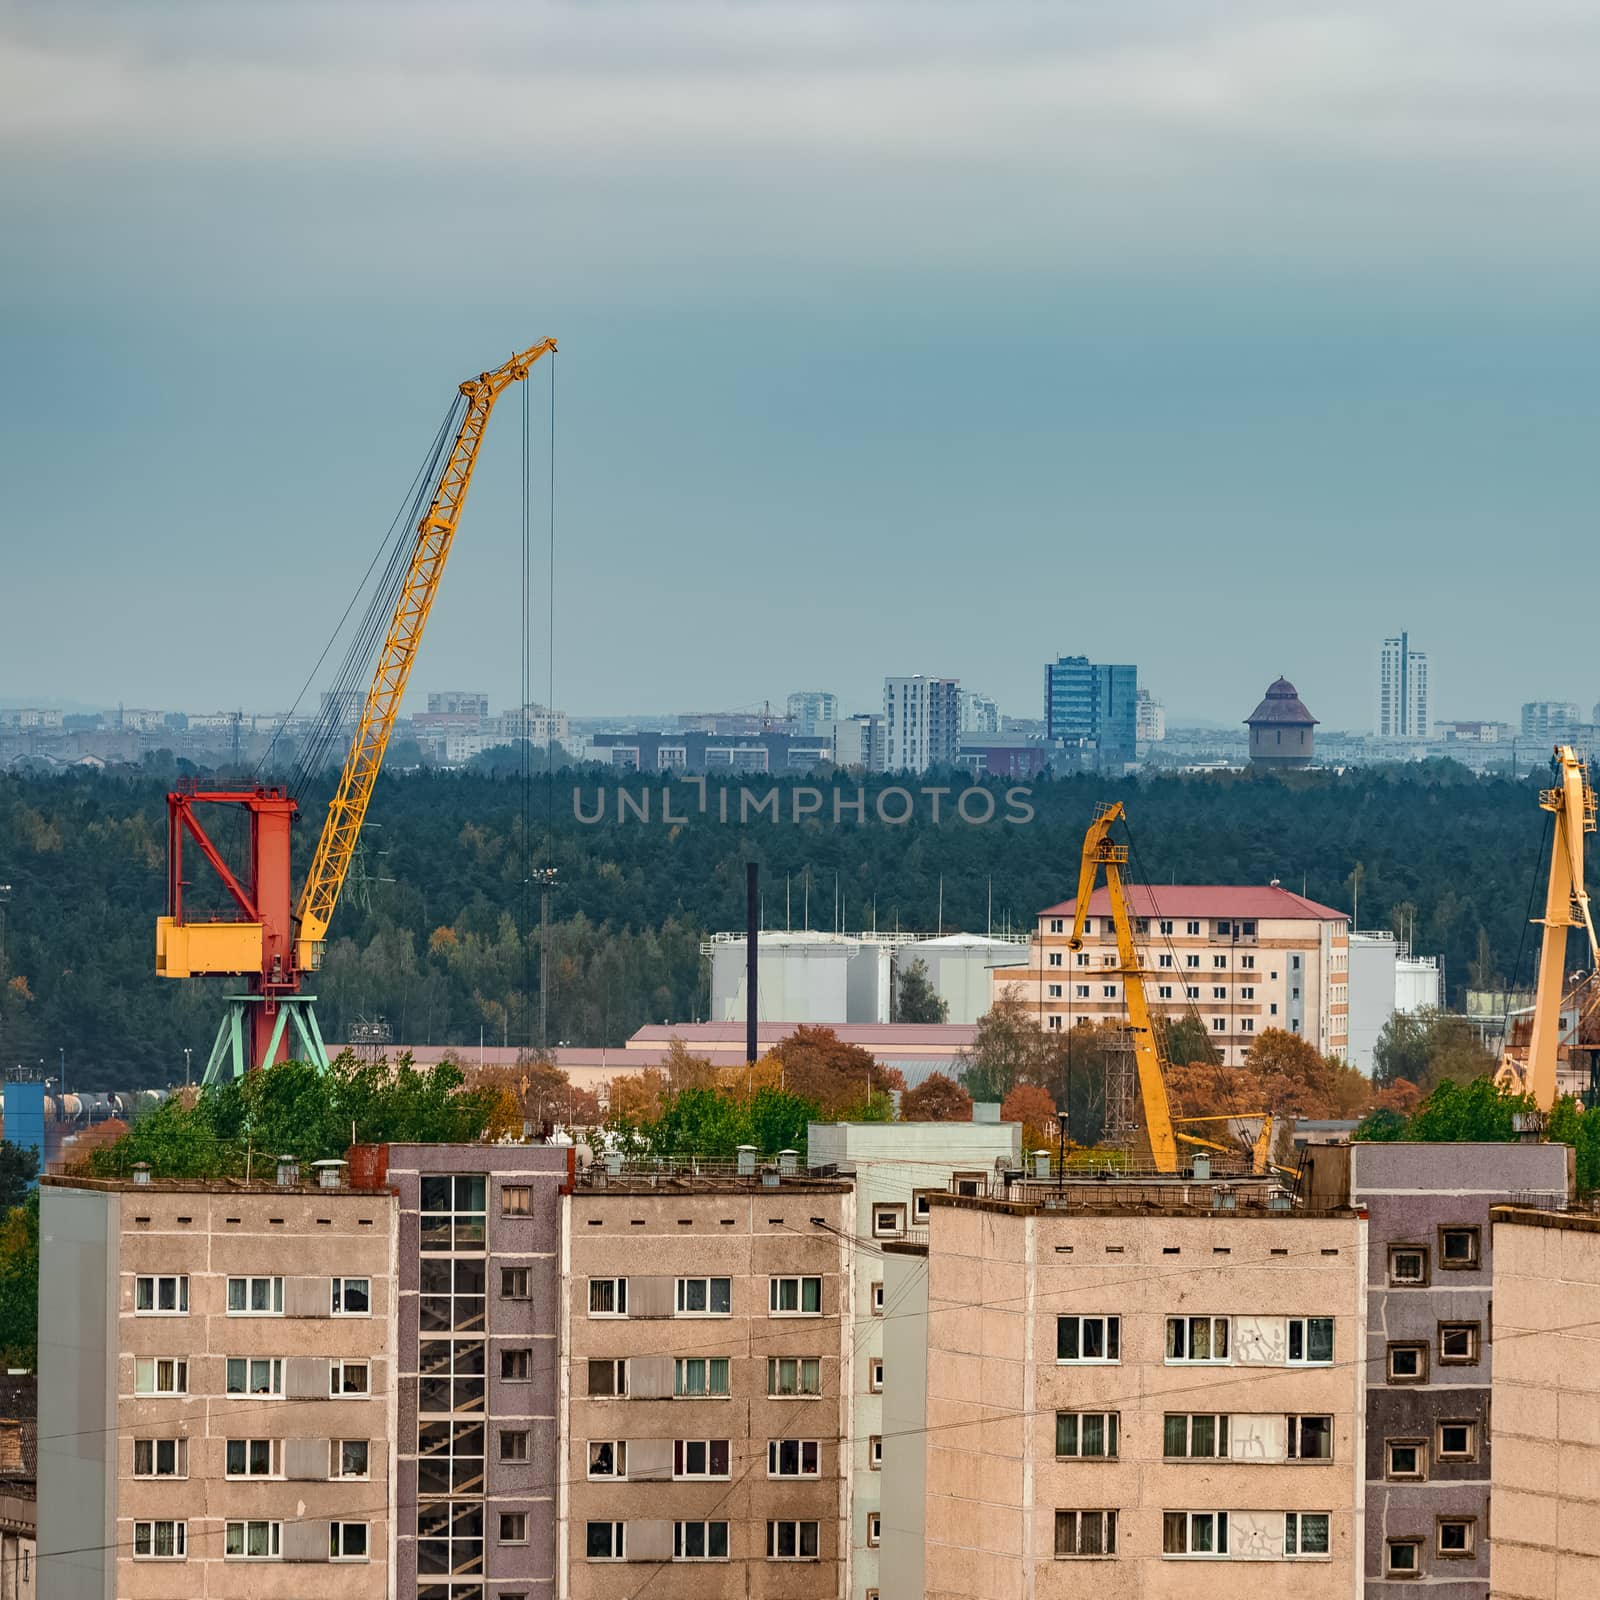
(161,1296)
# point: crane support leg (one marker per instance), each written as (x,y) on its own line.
(235,1051)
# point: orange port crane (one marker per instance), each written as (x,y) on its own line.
(274,941)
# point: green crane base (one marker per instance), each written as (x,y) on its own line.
(229,1054)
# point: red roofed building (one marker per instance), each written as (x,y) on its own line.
(1242,958)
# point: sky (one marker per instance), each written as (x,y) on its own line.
(1221,336)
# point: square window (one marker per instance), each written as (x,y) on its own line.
(347,1377)
(1458,1343)
(1310,1341)
(1458,1441)
(1408,1265)
(608,1297)
(1457,1536)
(1458,1249)
(352,1297)
(888,1222)
(608,1458)
(515,1200)
(1403,1558)
(514,1283)
(513,1527)
(608,1378)
(351,1458)
(513,1444)
(516,1365)
(1408,1363)
(347,1541)
(1407,1458)
(603,1541)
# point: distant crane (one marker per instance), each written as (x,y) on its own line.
(274,942)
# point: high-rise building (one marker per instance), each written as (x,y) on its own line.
(921,723)
(1150,718)
(857,740)
(458,703)
(1095,706)
(1549,719)
(979,714)
(811,709)
(1402,690)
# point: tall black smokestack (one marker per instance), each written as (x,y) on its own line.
(752,879)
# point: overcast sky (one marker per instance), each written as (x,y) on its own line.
(1222,337)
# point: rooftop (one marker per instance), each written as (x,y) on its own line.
(703,1177)
(1260,1199)
(871,1035)
(1282,706)
(1264,903)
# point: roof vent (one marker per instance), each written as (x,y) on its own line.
(330,1174)
(769,1178)
(614,1163)
(288,1172)
(1041,1163)
(747,1160)
(1279,1200)
(141,1172)
(1202,1169)
(788,1162)
(1224,1199)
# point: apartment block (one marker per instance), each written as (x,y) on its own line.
(217,1371)
(705,1394)
(898,1167)
(1435,1312)
(1403,705)
(1546,1392)
(1095,707)
(1243,959)
(476,1345)
(1131,1387)
(921,723)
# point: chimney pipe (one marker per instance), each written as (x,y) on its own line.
(752,880)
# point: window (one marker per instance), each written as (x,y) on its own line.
(1165,991)
(700,1541)
(1305,1533)
(352,1297)
(608,1458)
(1248,963)
(1408,1363)
(161,1297)
(1055,958)
(252,1458)
(347,1541)
(515,1200)
(603,1541)
(1408,1265)
(1108,991)
(1248,931)
(1081,991)
(1458,1248)
(699,1458)
(1219,962)
(514,1283)
(608,1297)
(349,1377)
(1201,1435)
(1247,992)
(792,1541)
(1088,1339)
(698,1376)
(254,1375)
(1086,1433)
(1191,928)
(877,1298)
(1310,1341)
(888,1222)
(1165,961)
(1057,925)
(161,1377)
(454,1213)
(161,1458)
(160,1541)
(1166,927)
(874,1528)
(1458,1343)
(453,1296)
(705,1297)
(1194,1533)
(513,1444)
(515,1365)
(1219,1024)
(788,1376)
(1197,1338)
(1192,992)
(1054,991)
(1403,1558)
(255,1297)
(1219,992)
(1055,1024)
(795,1297)
(451,1374)
(1406,1458)
(513,1527)
(1191,961)
(450,1459)
(608,1378)
(1078,960)
(1247,1024)
(793,1458)
(1458,1441)
(349,1458)
(875,1375)
(875,1452)
(1311,1439)
(1457,1536)
(252,1541)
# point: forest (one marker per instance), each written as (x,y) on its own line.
(438,931)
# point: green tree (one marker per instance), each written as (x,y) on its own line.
(1401,1050)
(19,1284)
(1009,1048)
(19,1166)
(918,1000)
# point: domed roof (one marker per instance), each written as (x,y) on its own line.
(1282,706)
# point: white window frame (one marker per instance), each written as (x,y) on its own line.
(1398,1280)
(274,1295)
(180,1294)
(336,1472)
(875,1375)
(336,1372)
(1470,1453)
(178,1376)
(618,1532)
(274,1389)
(619,1378)
(775,1365)
(180,1538)
(1110,1337)
(775,1449)
(619,1460)
(680,1366)
(877,1298)
(274,1461)
(680,1537)
(1192,929)
(1219,1537)
(338,1535)
(339,1295)
(683,1446)
(798,1525)
(897,1214)
(775,1293)
(874,1529)
(180,1458)
(682,1291)
(1305,1359)
(274,1529)
(618,1288)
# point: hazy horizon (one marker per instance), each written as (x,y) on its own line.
(1222,338)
